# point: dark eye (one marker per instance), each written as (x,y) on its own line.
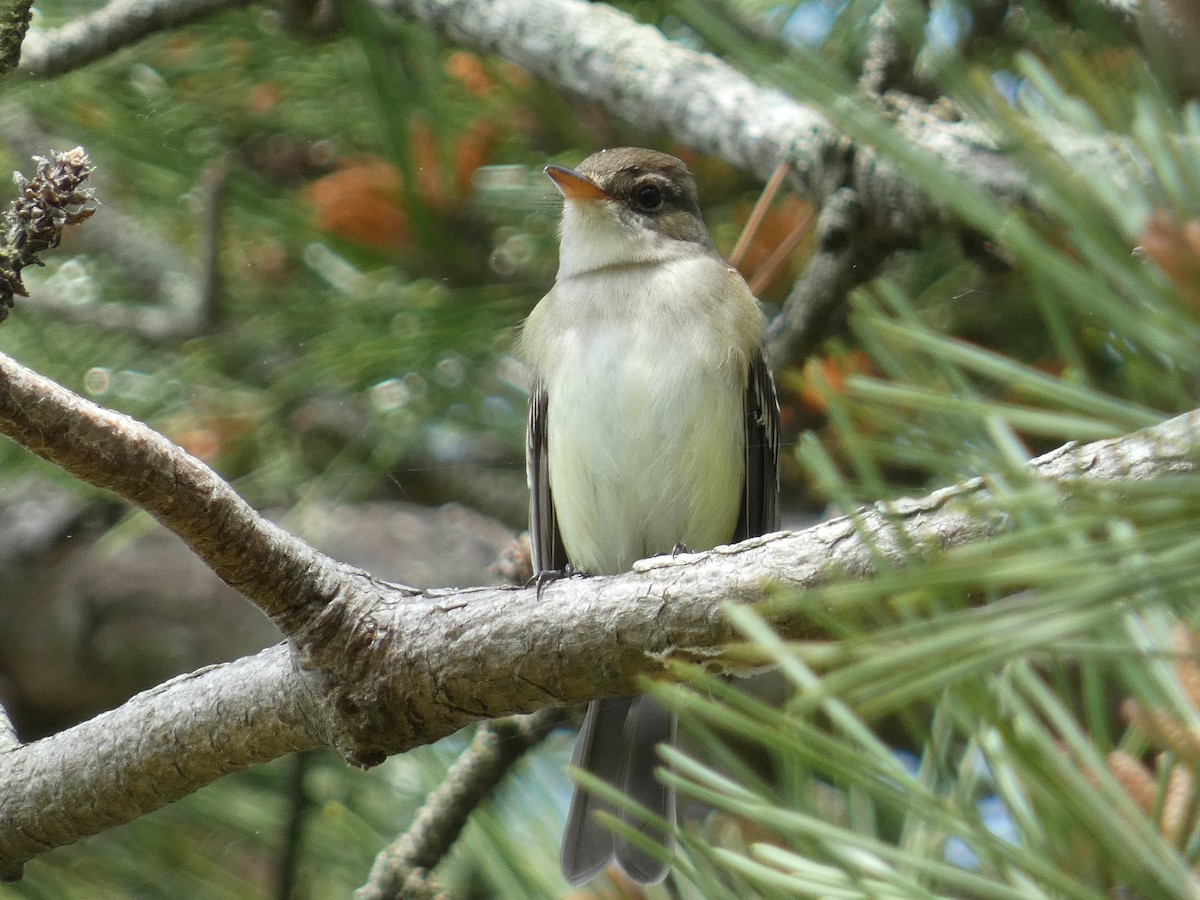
(648,198)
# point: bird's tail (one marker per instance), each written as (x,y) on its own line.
(617,743)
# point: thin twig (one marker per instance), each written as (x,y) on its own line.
(889,60)
(402,869)
(298,808)
(213,182)
(846,256)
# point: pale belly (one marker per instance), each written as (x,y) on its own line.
(643,457)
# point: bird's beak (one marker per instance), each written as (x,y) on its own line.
(574,186)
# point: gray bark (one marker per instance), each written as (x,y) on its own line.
(373,668)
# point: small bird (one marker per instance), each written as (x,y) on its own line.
(653,427)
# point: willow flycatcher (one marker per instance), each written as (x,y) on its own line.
(653,426)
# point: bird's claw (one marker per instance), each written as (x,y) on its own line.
(548,576)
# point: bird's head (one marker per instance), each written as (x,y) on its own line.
(626,207)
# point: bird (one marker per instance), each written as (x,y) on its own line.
(653,428)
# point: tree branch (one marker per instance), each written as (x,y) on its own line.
(474,776)
(281,573)
(703,103)
(846,256)
(889,58)
(49,52)
(379,668)
(160,746)
(600,53)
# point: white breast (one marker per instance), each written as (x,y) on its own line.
(645,430)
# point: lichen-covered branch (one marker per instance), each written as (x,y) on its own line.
(707,105)
(121,23)
(889,57)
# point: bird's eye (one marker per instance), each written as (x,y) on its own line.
(648,198)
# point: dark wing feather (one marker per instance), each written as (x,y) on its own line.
(544,539)
(760,513)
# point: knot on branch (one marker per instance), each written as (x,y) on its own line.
(52,199)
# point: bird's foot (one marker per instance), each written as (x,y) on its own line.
(680,547)
(548,576)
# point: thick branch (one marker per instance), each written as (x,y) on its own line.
(703,103)
(400,669)
(160,746)
(283,575)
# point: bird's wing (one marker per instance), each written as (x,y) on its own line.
(548,551)
(759,513)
